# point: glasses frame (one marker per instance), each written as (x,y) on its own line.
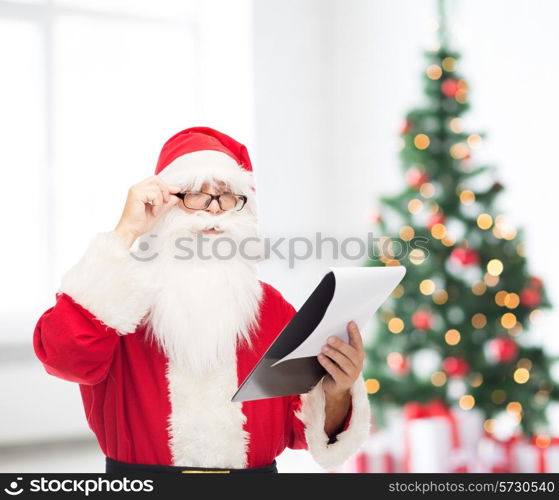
(213,197)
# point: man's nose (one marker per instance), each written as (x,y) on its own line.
(213,207)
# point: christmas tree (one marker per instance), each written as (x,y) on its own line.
(456,328)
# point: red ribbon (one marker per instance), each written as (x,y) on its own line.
(435,408)
(388,462)
(507,445)
(542,459)
(361,463)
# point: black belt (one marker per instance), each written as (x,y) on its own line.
(123,467)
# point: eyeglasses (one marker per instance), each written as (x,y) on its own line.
(198,200)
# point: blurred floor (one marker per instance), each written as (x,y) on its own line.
(85,456)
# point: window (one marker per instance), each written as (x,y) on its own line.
(90,90)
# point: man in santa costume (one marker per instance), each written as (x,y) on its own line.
(160,338)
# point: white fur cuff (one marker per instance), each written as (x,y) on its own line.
(110,283)
(313,416)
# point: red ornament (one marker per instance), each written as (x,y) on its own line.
(535,282)
(449,87)
(437,218)
(398,363)
(464,256)
(455,367)
(405,127)
(416,177)
(422,320)
(530,298)
(497,187)
(374,217)
(502,349)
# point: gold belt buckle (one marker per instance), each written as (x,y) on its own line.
(205,471)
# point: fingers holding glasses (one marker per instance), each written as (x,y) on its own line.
(157,194)
(152,197)
(154,182)
(166,189)
(146,201)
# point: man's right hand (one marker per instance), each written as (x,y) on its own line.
(139,215)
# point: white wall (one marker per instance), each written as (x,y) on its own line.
(510,49)
(313,124)
(112,102)
(333,81)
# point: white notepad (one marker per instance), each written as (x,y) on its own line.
(290,366)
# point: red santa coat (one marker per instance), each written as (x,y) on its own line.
(143,410)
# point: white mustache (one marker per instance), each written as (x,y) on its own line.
(227,222)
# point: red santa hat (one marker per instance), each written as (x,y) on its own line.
(201,154)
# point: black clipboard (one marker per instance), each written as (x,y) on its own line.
(299,375)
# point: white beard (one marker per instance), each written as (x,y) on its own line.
(202,308)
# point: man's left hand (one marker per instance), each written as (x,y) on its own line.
(343,361)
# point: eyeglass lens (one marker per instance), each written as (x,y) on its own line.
(199,201)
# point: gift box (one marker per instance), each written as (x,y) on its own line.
(496,455)
(374,456)
(427,437)
(439,439)
(537,455)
